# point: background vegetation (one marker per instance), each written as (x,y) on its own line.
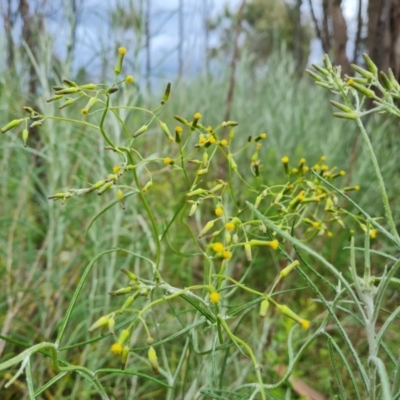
(44,246)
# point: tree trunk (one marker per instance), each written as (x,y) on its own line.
(339,35)
(235,58)
(383,41)
(8,27)
(358,34)
(298,38)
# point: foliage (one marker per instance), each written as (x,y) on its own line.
(267,25)
(196,329)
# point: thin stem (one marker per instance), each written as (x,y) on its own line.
(381,183)
(249,351)
(103,117)
(151,218)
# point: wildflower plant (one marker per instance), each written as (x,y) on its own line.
(277,218)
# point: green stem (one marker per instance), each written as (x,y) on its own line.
(381,182)
(75,121)
(151,218)
(101,126)
(234,338)
(91,376)
(171,296)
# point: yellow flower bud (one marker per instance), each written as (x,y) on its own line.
(207,227)
(219,211)
(152,356)
(264,308)
(165,129)
(247,249)
(124,357)
(25,135)
(121,55)
(147,186)
(11,125)
(140,131)
(166,93)
(232,162)
(274,244)
(102,321)
(168,161)
(124,336)
(218,247)
(54,98)
(178,134)
(230,226)
(289,268)
(116,348)
(285,310)
(193,208)
(120,196)
(215,297)
(105,187)
(111,324)
(227,255)
(92,101)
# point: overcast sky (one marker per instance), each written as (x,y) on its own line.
(95,36)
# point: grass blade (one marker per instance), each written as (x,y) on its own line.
(77,292)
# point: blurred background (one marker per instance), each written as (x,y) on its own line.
(191,37)
(230,60)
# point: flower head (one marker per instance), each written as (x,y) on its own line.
(230,226)
(116,348)
(129,79)
(274,244)
(218,247)
(227,255)
(215,297)
(219,211)
(168,161)
(305,323)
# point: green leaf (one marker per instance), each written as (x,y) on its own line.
(130,372)
(77,292)
(51,382)
(106,209)
(336,371)
(385,386)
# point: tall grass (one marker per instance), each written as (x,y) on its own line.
(44,247)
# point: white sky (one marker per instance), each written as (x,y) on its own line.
(95,37)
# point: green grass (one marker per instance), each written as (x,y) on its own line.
(44,249)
